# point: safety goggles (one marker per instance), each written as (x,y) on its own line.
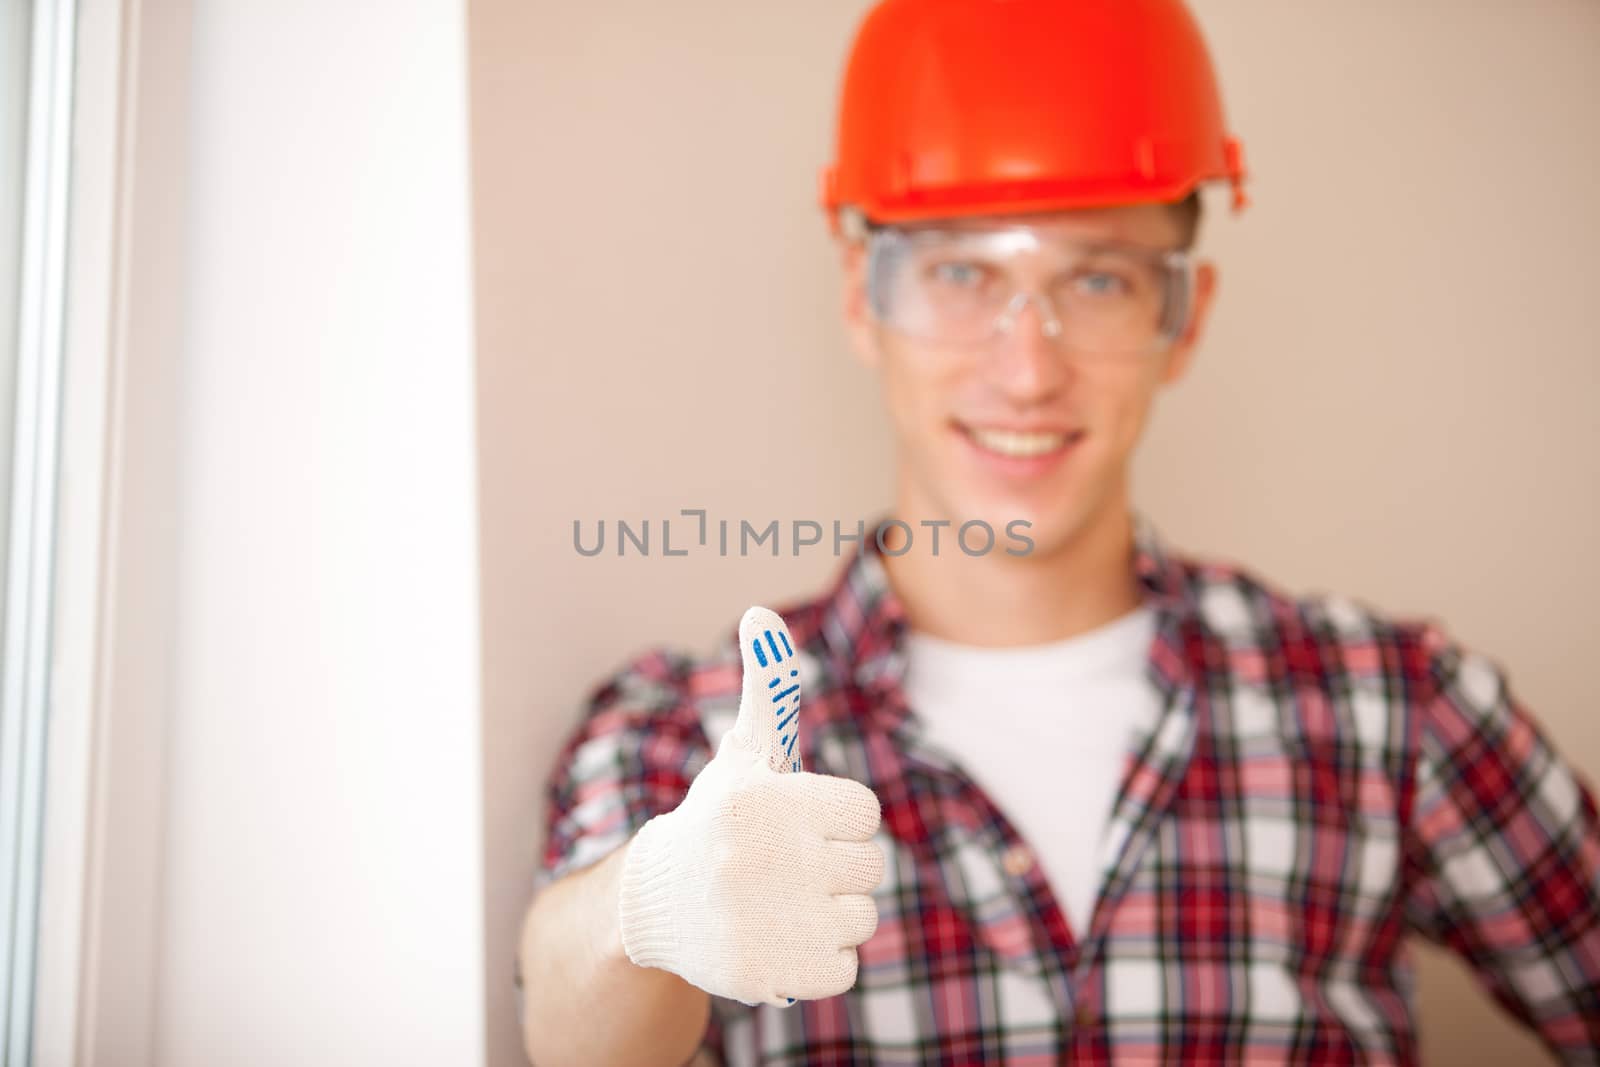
(966,286)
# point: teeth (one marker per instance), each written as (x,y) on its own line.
(1009,443)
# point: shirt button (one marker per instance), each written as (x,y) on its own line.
(1016,860)
(1083,1016)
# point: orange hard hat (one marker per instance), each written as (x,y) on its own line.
(976,107)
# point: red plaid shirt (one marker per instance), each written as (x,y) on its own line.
(1321,783)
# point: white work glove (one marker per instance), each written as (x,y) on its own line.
(755,887)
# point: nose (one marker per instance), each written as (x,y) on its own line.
(1043,310)
(1027,362)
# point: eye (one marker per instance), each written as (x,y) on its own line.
(958,273)
(1100,283)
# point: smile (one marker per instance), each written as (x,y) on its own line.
(1018,444)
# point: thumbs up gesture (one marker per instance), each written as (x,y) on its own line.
(756,886)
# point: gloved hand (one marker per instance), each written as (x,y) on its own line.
(755,886)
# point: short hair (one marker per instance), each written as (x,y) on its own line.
(855,225)
(1188,211)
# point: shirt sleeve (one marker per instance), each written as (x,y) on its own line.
(1502,853)
(631,757)
(636,747)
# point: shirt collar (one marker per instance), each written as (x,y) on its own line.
(863,622)
(1162,575)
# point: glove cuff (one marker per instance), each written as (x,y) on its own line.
(648,909)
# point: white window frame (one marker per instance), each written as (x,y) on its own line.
(115,556)
(25,684)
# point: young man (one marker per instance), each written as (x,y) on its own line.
(1092,803)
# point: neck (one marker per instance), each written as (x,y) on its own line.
(998,600)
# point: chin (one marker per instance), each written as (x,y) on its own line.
(1056,515)
(1054,532)
(1013,521)
(1057,497)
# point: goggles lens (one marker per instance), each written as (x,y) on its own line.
(964,287)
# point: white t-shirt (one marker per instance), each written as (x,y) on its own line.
(1045,731)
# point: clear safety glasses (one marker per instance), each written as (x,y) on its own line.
(967,286)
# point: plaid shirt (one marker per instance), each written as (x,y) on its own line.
(1321,783)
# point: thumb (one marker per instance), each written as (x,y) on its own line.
(769,709)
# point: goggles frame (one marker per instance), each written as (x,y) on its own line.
(884,243)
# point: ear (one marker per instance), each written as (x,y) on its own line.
(1182,352)
(857,315)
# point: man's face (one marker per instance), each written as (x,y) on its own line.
(952,407)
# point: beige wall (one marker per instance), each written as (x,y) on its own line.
(1397,399)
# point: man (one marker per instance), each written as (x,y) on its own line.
(1090,802)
